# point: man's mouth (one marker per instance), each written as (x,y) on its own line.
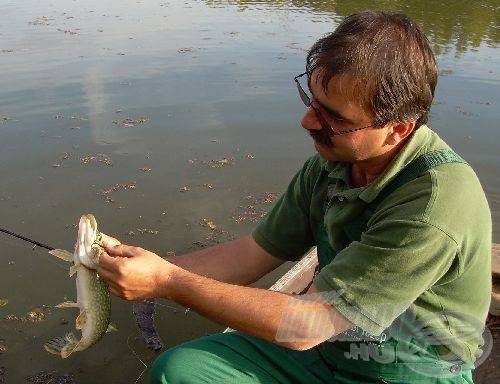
(320,138)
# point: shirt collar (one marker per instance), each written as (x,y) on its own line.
(415,146)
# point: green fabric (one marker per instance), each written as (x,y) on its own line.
(238,358)
(426,249)
(416,168)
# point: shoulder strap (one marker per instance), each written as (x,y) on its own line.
(416,168)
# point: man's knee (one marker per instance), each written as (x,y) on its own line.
(171,367)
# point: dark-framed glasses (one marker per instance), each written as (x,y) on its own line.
(328,128)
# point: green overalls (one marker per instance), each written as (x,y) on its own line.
(238,358)
(390,361)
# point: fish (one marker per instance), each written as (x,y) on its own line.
(93,297)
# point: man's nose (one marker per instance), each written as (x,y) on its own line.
(310,120)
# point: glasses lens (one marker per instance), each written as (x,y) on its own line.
(303,95)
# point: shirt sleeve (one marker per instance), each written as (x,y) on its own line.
(377,278)
(286,230)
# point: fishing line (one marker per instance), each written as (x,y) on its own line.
(138,358)
(17,245)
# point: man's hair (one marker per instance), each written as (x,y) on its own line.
(388,60)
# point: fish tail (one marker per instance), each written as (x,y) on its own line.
(62,346)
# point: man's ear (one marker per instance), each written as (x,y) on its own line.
(398,132)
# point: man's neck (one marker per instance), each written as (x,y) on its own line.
(365,171)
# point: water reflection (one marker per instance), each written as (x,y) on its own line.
(214,78)
(461,25)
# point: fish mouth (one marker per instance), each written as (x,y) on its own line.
(92,221)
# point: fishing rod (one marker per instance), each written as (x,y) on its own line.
(41,245)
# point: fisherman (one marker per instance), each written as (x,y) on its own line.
(401,225)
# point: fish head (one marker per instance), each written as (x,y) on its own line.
(88,247)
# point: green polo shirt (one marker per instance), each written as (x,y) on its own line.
(426,248)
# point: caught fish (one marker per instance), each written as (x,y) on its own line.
(93,298)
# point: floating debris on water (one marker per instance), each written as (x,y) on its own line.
(117,187)
(64,156)
(4,119)
(80,118)
(98,158)
(219,163)
(68,31)
(43,20)
(185,189)
(254,208)
(207,223)
(214,163)
(445,72)
(52,377)
(131,122)
(3,348)
(143,231)
(215,236)
(250,156)
(35,316)
(145,169)
(3,302)
(208,185)
(185,50)
(465,113)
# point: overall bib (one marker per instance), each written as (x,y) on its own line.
(378,359)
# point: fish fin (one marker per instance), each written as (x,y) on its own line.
(72,270)
(67,304)
(81,319)
(62,346)
(111,328)
(62,254)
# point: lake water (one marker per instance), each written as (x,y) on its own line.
(167,119)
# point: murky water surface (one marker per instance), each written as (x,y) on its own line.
(165,119)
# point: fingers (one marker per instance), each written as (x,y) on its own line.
(108,241)
(106,262)
(123,250)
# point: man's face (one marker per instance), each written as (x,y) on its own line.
(340,111)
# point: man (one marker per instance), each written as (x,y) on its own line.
(401,224)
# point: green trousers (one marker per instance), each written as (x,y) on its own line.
(238,358)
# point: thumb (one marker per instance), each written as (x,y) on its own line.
(108,241)
(121,250)
(105,261)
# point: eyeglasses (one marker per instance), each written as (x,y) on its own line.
(327,128)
